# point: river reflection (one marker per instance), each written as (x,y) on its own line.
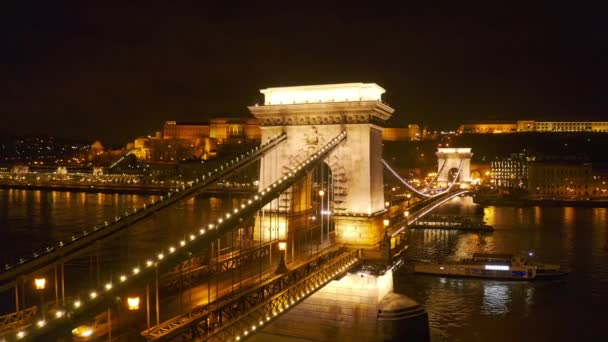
(466,309)
(459,309)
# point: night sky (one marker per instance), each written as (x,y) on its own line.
(115,72)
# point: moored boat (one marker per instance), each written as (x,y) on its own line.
(495,266)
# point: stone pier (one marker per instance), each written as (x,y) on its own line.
(357,307)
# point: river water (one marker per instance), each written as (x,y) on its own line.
(459,309)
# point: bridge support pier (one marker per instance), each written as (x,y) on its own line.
(360,306)
(358,231)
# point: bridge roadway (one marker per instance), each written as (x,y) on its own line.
(198,240)
(82,244)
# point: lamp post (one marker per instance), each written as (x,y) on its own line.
(406,214)
(386,223)
(282,268)
(408,199)
(321,194)
(40,284)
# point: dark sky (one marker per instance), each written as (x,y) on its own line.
(114,72)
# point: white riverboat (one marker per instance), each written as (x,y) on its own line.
(494,266)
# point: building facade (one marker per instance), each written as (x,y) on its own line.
(535,126)
(485,128)
(185,130)
(411,132)
(234,130)
(511,172)
(562,126)
(182,141)
(567,180)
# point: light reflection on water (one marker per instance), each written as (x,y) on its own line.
(496,298)
(459,309)
(466,309)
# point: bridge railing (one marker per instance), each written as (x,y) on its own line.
(17,319)
(242,313)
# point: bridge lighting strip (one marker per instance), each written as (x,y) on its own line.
(78,305)
(388,167)
(302,295)
(437,175)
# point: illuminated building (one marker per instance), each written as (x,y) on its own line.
(560,179)
(181,141)
(562,126)
(234,130)
(535,126)
(185,130)
(483,128)
(511,172)
(411,132)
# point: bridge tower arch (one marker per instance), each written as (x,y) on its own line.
(313,115)
(449,161)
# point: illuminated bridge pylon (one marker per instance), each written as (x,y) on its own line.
(352,184)
(456,165)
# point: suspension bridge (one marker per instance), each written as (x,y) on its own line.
(321,153)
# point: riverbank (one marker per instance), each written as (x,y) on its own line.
(122,189)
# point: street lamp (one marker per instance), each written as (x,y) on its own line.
(386,223)
(387,204)
(322,193)
(408,199)
(133,303)
(40,284)
(282,268)
(406,214)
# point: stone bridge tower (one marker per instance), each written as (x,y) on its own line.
(449,160)
(313,115)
